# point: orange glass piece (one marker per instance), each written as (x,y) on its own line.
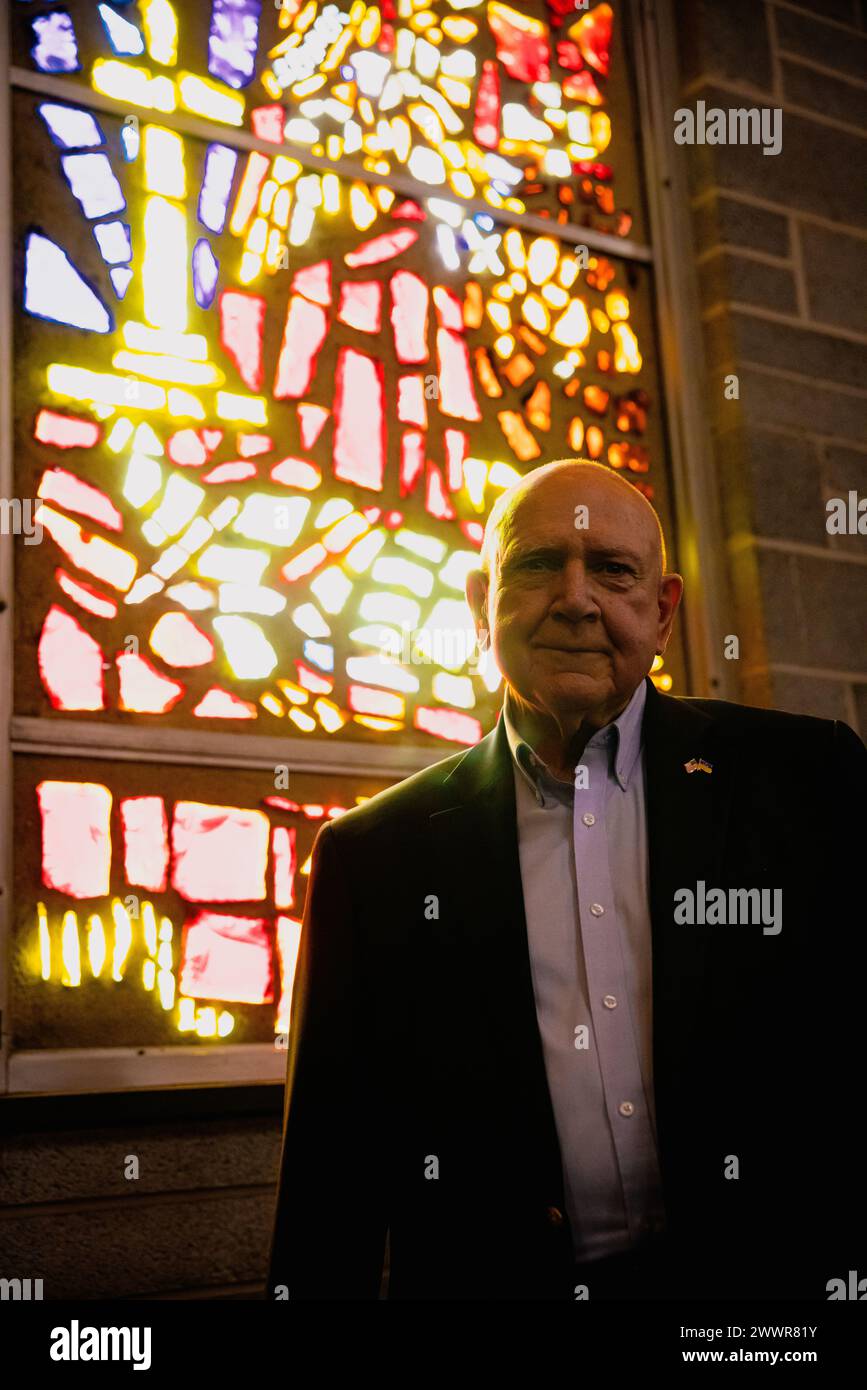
(518,369)
(486,374)
(519,438)
(538,407)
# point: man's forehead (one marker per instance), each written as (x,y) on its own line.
(545,509)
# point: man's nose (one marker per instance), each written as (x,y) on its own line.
(573,597)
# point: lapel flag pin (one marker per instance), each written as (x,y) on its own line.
(698,765)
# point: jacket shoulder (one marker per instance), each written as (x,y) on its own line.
(412,799)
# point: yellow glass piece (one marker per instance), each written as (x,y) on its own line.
(210,99)
(252,409)
(308,85)
(360,557)
(121,432)
(503,291)
(491,196)
(272,705)
(462,184)
(147,441)
(96,945)
(301,224)
(225,1023)
(269,81)
(347,530)
(428,547)
(422,21)
(165,368)
(575,357)
(257,236)
(617,306)
(332,588)
(166,990)
(186,1015)
(282,204)
(206,1022)
(160,25)
(600,130)
(143,480)
(70,950)
(274,249)
(295,694)
(232,565)
(122,938)
(148,974)
(362,208)
(266,197)
(578,126)
(499,315)
(164,269)
(518,282)
(133,86)
(335,54)
(461,30)
(542,260)
(564,370)
(453,154)
(405,574)
(503,475)
(251,267)
(453,690)
(601,322)
(555,295)
(389,608)
(305,722)
(82,385)
(568,272)
(164,162)
(534,313)
(557,164)
(331,192)
(284,170)
(330,715)
(370,27)
(149,927)
(401,138)
(248,651)
(457,92)
(475,478)
(627,358)
(165,960)
(504,346)
(572,328)
(44,942)
(428,122)
(184,406)
(334,147)
(513,243)
(373,721)
(384,198)
(140,338)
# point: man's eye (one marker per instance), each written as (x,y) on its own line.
(618,566)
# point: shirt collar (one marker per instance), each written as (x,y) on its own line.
(622,738)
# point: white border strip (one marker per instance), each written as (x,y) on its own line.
(76,1070)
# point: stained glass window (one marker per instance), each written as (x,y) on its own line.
(301,289)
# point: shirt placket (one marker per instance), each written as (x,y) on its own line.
(614,1035)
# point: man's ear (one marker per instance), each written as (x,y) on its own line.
(477,597)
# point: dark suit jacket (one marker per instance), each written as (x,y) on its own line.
(414,1046)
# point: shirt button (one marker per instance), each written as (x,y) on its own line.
(626,1108)
(589,818)
(609,1001)
(597,909)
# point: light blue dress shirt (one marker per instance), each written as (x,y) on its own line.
(584,871)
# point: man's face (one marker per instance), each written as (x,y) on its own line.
(577,615)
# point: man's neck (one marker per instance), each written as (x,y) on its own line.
(560,748)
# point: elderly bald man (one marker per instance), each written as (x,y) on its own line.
(575,1011)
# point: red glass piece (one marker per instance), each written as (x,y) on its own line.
(70,663)
(457,395)
(361,305)
(251,445)
(311,419)
(447,723)
(242,324)
(436,502)
(145,842)
(411,407)
(392,520)
(312,680)
(359,420)
(142,688)
(593,36)
(524,51)
(211,439)
(226,957)
(450,310)
(581,86)
(236,471)
(281,803)
(292,472)
(303,336)
(69,492)
(222,704)
(76,837)
(283,855)
(569,56)
(410,210)
(219,853)
(314,282)
(88,598)
(288,945)
(180,642)
(267,122)
(409,316)
(474,532)
(186,449)
(486,122)
(411,460)
(65,431)
(304,563)
(456,442)
(382,248)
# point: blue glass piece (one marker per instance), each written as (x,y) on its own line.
(55,289)
(319,654)
(220,162)
(55,49)
(206,273)
(233,41)
(93,182)
(114,242)
(70,127)
(123,36)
